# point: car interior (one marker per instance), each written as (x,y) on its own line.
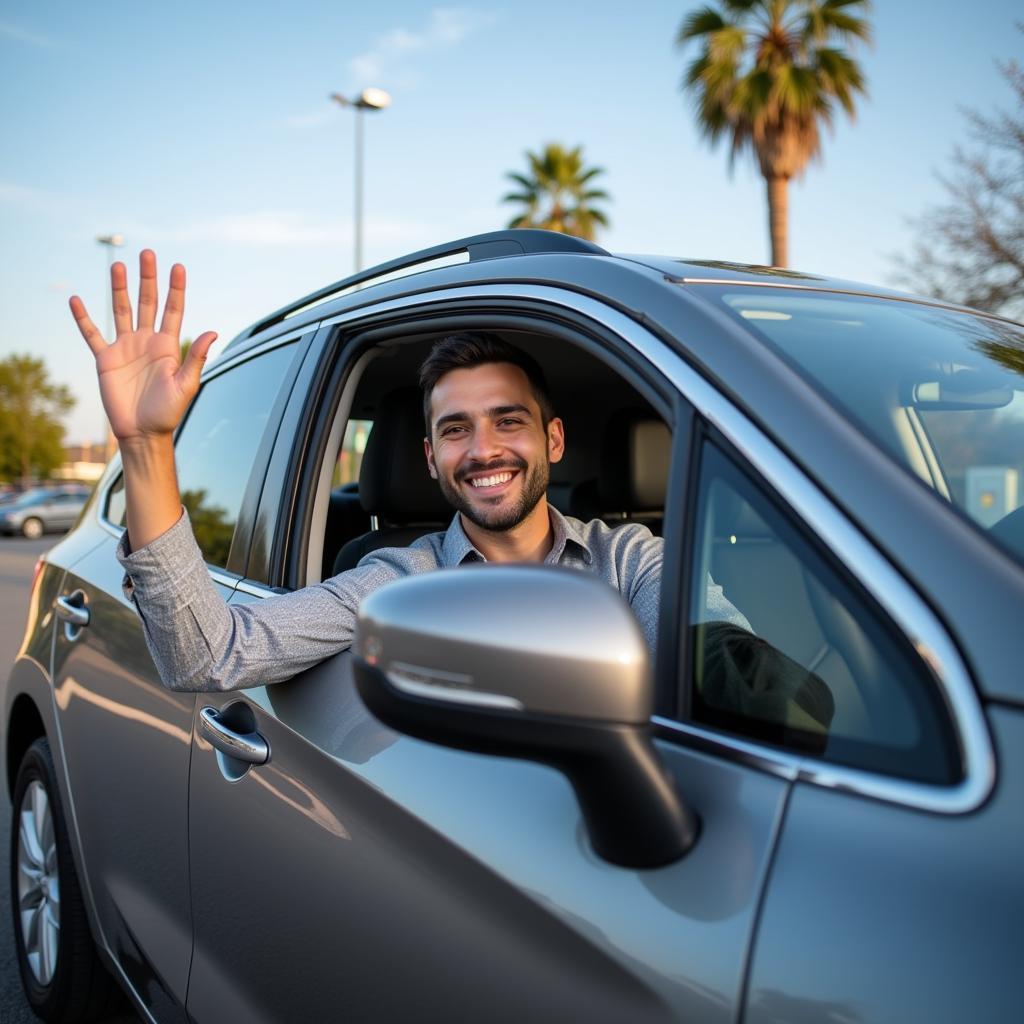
(615,466)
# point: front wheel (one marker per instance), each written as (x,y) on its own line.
(32,528)
(61,973)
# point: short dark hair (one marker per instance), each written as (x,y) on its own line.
(468,349)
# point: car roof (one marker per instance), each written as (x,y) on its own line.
(461,260)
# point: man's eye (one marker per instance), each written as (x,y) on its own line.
(448,431)
(509,421)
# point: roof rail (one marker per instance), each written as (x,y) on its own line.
(513,242)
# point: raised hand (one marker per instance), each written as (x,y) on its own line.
(144,384)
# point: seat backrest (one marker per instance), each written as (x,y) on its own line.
(634,468)
(395,485)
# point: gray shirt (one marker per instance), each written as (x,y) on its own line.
(199,642)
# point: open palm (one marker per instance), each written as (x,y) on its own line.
(144,384)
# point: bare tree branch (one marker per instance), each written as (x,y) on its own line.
(970,248)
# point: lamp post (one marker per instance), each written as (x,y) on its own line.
(368,99)
(110,243)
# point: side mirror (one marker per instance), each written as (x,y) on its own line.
(534,662)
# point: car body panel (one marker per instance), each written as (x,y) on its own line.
(931,909)
(126,741)
(450,864)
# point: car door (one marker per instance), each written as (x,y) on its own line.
(363,873)
(888,855)
(126,739)
(891,855)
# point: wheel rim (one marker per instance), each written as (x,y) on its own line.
(33,529)
(38,883)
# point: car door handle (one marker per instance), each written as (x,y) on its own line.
(250,747)
(72,613)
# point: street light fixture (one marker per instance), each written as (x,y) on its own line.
(368,99)
(110,242)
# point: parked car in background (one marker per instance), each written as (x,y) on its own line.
(42,510)
(817,822)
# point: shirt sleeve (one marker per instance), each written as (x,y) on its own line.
(200,642)
(642,554)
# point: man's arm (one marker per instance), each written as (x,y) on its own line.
(146,389)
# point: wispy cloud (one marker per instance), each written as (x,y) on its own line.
(35,199)
(446,27)
(32,38)
(389,62)
(278,228)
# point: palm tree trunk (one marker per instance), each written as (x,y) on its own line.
(778,220)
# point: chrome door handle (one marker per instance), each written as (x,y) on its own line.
(71,613)
(250,747)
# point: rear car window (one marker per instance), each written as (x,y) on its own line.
(216,447)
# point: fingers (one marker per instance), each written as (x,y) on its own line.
(147,289)
(190,370)
(119,294)
(92,336)
(174,310)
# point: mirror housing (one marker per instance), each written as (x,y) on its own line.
(536,662)
(962,389)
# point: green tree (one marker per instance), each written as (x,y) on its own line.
(767,78)
(31,409)
(970,247)
(556,193)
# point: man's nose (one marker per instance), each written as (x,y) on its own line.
(486,443)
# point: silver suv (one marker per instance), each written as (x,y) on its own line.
(498,806)
(42,510)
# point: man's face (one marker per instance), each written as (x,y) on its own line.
(488,448)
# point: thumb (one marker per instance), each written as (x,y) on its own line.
(192,367)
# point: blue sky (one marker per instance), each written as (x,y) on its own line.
(204,131)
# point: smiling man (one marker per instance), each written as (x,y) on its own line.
(491,436)
(491,439)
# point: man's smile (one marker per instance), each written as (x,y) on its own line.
(491,483)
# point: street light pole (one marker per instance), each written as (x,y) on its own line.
(368,99)
(110,243)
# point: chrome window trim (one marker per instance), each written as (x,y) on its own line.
(253,589)
(887,586)
(218,366)
(114,470)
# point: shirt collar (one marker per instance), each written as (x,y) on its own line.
(458,548)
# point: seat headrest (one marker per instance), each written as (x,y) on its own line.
(394,482)
(635,464)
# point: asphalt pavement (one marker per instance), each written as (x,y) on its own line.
(17,559)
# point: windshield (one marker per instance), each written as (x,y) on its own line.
(942,391)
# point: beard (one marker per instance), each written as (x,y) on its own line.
(492,514)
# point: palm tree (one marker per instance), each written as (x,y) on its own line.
(767,77)
(556,195)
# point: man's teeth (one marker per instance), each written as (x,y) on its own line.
(491,481)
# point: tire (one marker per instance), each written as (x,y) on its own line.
(61,972)
(32,528)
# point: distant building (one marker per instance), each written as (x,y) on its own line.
(83,462)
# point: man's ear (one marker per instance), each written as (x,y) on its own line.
(429,452)
(556,440)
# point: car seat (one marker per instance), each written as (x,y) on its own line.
(395,488)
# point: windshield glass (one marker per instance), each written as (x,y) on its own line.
(942,391)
